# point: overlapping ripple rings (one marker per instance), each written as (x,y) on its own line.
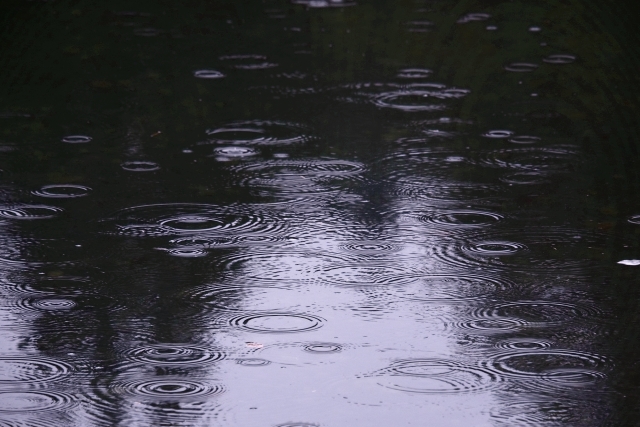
(436,376)
(194,219)
(276,322)
(452,288)
(35,401)
(182,355)
(20,370)
(29,212)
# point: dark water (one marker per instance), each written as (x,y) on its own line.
(319,213)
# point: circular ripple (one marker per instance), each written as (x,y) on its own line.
(521,67)
(173,355)
(19,370)
(635,219)
(559,59)
(258,132)
(525,344)
(77,139)
(167,389)
(443,288)
(253,362)
(495,248)
(498,134)
(48,304)
(524,139)
(34,401)
(483,320)
(208,74)
(323,348)
(203,220)
(372,247)
(414,73)
(544,313)
(524,178)
(249,62)
(277,322)
(187,252)
(463,219)
(140,166)
(552,369)
(30,212)
(473,17)
(436,376)
(235,298)
(297,424)
(62,191)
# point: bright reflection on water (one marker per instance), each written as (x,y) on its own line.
(318,213)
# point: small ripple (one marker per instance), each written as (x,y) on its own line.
(436,376)
(419,26)
(24,369)
(171,389)
(69,285)
(371,247)
(185,252)
(253,362)
(534,29)
(559,59)
(47,304)
(486,321)
(248,62)
(321,4)
(524,139)
(323,348)
(62,191)
(544,313)
(494,248)
(473,17)
(77,139)
(35,401)
(173,355)
(297,424)
(140,166)
(525,344)
(535,414)
(208,74)
(462,219)
(635,219)
(258,132)
(30,212)
(276,323)
(498,134)
(414,73)
(235,298)
(521,67)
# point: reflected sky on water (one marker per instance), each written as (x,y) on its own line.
(318,213)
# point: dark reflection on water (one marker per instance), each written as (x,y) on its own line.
(319,212)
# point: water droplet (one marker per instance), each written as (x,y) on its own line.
(226,153)
(629,262)
(208,74)
(491,28)
(559,59)
(635,219)
(535,29)
(140,166)
(77,139)
(62,191)
(320,4)
(521,67)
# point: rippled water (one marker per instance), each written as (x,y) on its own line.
(313,213)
